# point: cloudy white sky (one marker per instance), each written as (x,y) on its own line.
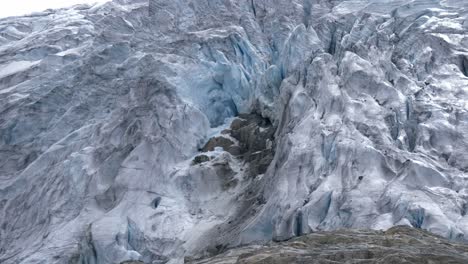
(22,7)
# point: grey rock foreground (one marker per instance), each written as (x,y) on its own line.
(397,245)
(104,108)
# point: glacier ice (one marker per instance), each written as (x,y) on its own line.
(104,108)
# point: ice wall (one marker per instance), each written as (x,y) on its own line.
(103,110)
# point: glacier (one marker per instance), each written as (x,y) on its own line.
(158,130)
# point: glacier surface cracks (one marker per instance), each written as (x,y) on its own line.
(359,108)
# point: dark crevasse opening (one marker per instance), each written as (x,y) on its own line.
(464,65)
(155,203)
(299,230)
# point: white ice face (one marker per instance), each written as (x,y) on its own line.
(103,109)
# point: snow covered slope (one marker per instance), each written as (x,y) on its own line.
(352,114)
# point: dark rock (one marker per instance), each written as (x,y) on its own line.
(255,136)
(234,150)
(200,159)
(256,141)
(223,142)
(238,124)
(399,244)
(226,132)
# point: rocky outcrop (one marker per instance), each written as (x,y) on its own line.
(250,138)
(256,141)
(396,245)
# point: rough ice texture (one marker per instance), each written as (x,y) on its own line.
(104,108)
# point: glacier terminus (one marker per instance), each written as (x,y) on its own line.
(164,131)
